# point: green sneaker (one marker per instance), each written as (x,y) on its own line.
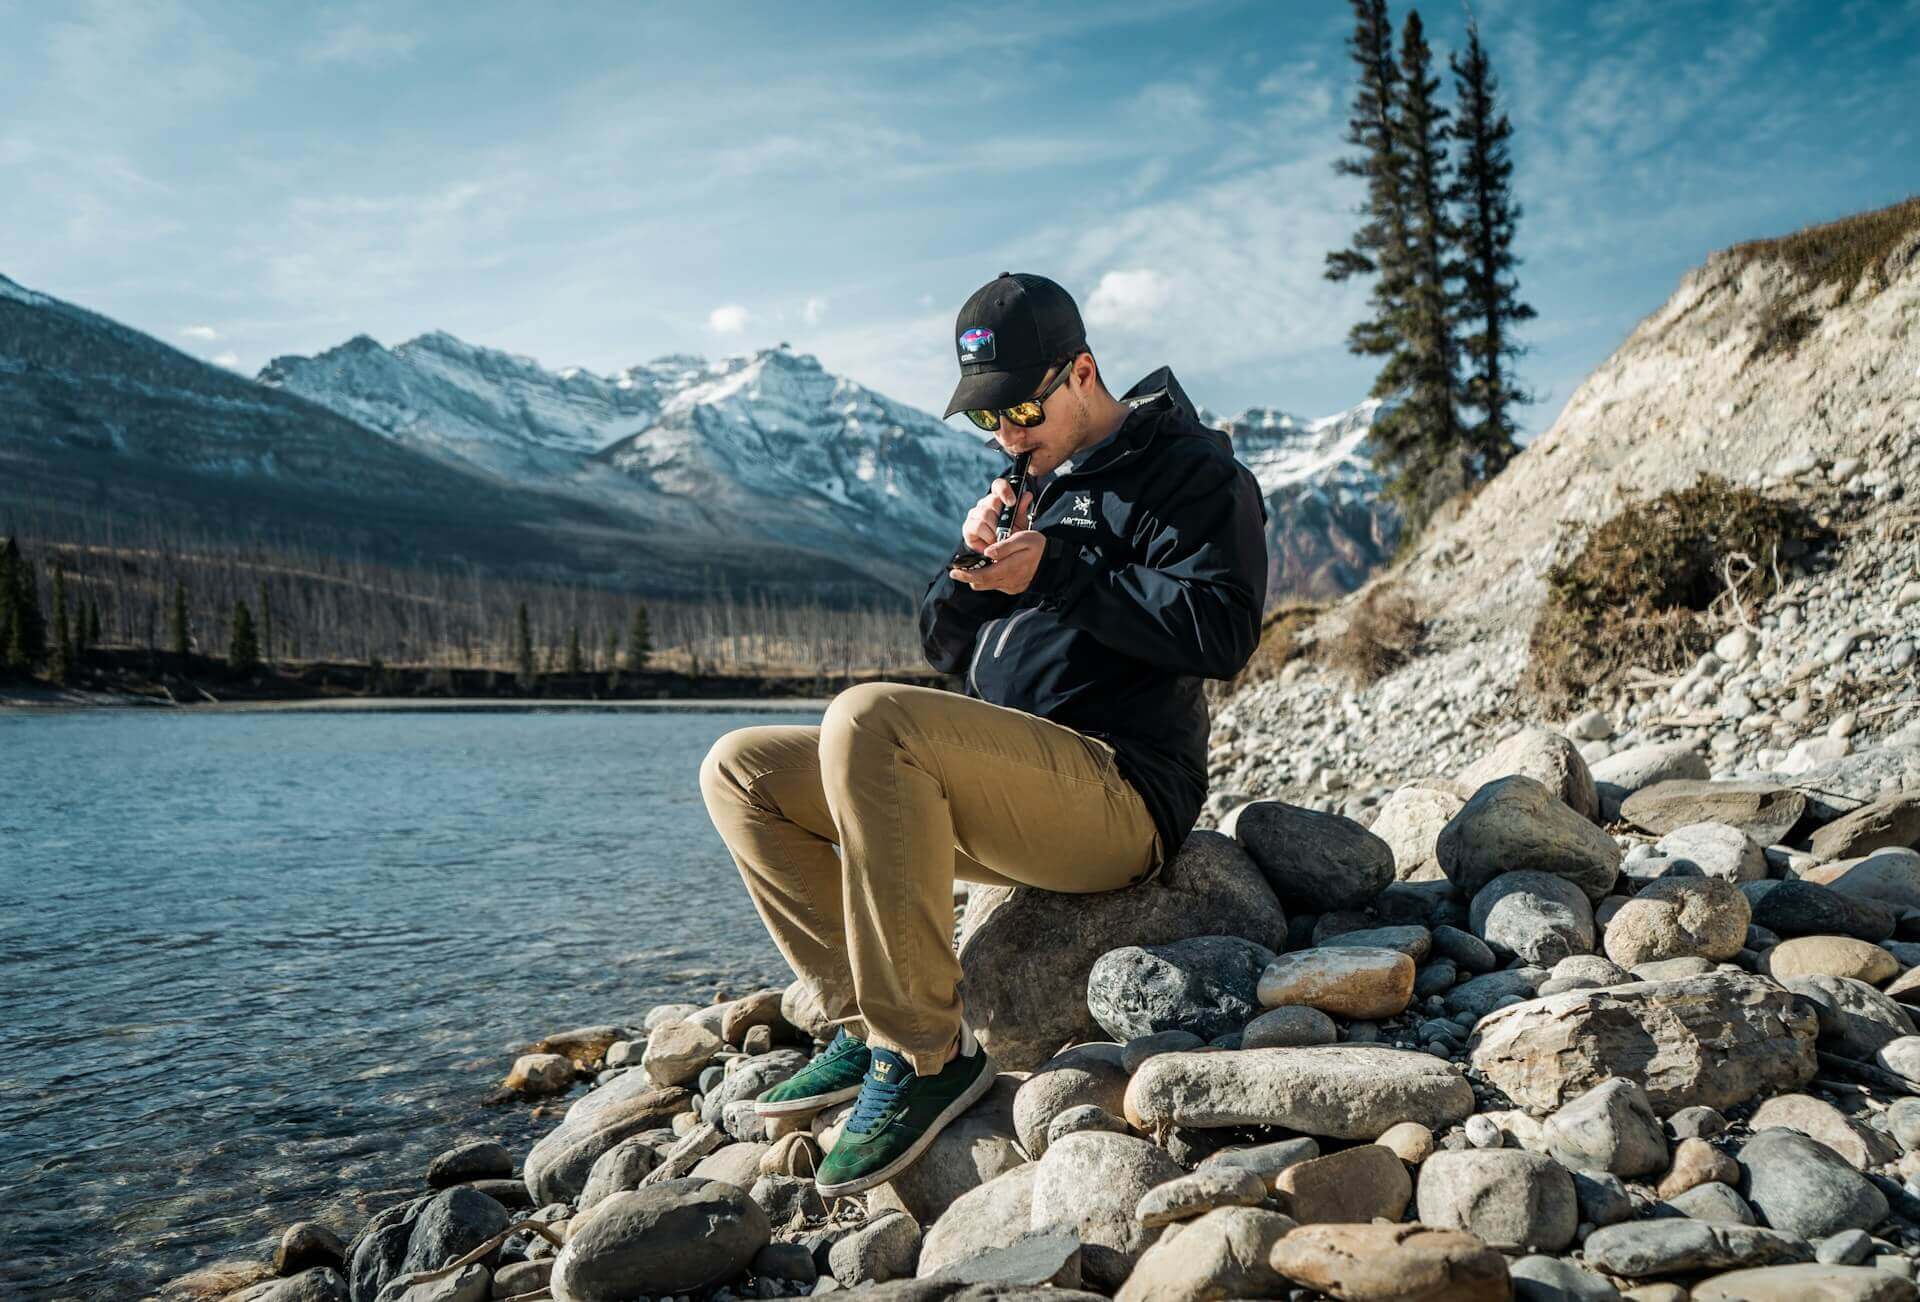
(833,1077)
(899,1114)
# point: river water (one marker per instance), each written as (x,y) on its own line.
(259,968)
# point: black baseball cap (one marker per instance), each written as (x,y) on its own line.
(1008,333)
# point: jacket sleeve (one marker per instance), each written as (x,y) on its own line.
(951,614)
(1192,602)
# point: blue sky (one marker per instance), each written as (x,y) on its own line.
(596,185)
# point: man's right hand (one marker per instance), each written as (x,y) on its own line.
(979,531)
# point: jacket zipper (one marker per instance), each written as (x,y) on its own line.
(999,644)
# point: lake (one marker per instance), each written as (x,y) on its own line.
(261,967)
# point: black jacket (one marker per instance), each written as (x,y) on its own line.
(1153,578)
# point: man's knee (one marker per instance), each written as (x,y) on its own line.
(875,709)
(720,770)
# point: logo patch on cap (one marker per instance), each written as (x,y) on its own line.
(976,345)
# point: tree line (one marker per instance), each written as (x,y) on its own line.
(1436,239)
(252,602)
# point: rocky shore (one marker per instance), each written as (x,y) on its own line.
(1544,1030)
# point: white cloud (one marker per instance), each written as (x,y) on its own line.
(202,332)
(229,360)
(1128,300)
(815,309)
(362,46)
(728,320)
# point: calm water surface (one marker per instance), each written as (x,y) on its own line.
(256,968)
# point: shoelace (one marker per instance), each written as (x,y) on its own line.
(879,1092)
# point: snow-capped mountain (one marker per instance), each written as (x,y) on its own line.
(1328,524)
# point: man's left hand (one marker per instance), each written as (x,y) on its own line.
(1015,558)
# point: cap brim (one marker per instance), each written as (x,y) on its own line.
(995,389)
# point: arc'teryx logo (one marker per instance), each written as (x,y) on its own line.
(1081,511)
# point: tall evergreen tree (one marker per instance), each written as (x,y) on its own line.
(180,635)
(92,640)
(243,647)
(63,657)
(576,663)
(1379,247)
(26,641)
(639,640)
(9,599)
(1486,213)
(523,644)
(266,624)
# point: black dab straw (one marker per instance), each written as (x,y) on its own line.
(968,559)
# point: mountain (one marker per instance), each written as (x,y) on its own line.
(1328,525)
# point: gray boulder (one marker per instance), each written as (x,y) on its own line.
(1090,1183)
(1313,860)
(452,1224)
(1806,908)
(1762,810)
(1609,1128)
(1205,985)
(1511,1198)
(885,1248)
(1516,824)
(678,1236)
(1648,1249)
(1716,850)
(982,1220)
(1537,916)
(1340,1091)
(1542,756)
(1800,1186)
(1856,1021)
(1086,1074)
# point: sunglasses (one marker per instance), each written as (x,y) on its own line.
(1024,414)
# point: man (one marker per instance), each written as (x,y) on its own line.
(1076,759)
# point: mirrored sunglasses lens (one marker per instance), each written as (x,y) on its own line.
(984,418)
(1024,413)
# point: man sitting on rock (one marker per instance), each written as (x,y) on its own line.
(1076,759)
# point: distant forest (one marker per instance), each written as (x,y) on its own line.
(75,585)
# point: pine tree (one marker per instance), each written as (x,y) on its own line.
(576,663)
(180,636)
(243,648)
(266,624)
(92,640)
(639,641)
(26,627)
(63,657)
(523,645)
(9,600)
(1486,214)
(1379,247)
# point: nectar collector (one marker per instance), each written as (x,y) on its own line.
(965,558)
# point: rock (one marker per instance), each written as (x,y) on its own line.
(375,1255)
(1696,1123)
(1644,1249)
(315,1284)
(1346,980)
(1289,1028)
(883,1249)
(1696,1162)
(1862,1146)
(1315,860)
(1393,1263)
(972,1149)
(537,1074)
(306,1244)
(585,1046)
(1409,822)
(660,1014)
(1580,972)
(1223,1254)
(557,1168)
(1715,1202)
(1603,1198)
(1204,985)
(1354,1185)
(800,1006)
(1715,1040)
(1412,940)
(520,1277)
(479,1159)
(1341,1091)
(752,1078)
(1540,917)
(788,1261)
(679,1236)
(1509,1198)
(1847,1248)
(1515,824)
(1409,1141)
(1624,772)
(453,1223)
(1141,1048)
(1268,1161)
(1679,917)
(1483,994)
(734,1164)
(620,1168)
(1030,1260)
(1856,1021)
(1466,951)
(1806,1283)
(1888,878)
(1084,1117)
(793,1154)
(1026,953)
(1892,822)
(677,1052)
(1717,850)
(1549,1279)
(991,1217)
(1765,812)
(1199,1193)
(1802,1187)
(1091,1183)
(1831,956)
(1901,1057)
(471,1283)
(1484,1132)
(1085,1074)
(761,1008)
(1609,1128)
(1806,908)
(1540,756)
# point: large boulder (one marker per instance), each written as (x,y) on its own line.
(1889,878)
(1205,985)
(1679,917)
(1717,1039)
(981,1220)
(1649,1249)
(1609,1128)
(1807,908)
(1800,1186)
(970,1150)
(1347,980)
(1086,1074)
(1510,1198)
(1409,822)
(1340,1091)
(1762,810)
(1393,1263)
(1833,956)
(556,1169)
(1313,860)
(1856,1021)
(1547,758)
(1224,1253)
(1090,1183)
(1715,850)
(1624,772)
(1891,822)
(679,1236)
(1537,916)
(1026,953)
(1806,1282)
(1515,823)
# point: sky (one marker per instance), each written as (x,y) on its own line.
(596,185)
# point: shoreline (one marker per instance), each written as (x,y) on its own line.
(406,705)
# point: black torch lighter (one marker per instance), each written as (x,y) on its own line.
(965,558)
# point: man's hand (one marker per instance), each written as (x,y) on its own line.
(1013,565)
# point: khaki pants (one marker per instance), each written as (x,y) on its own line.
(916,786)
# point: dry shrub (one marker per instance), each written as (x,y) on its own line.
(1383,631)
(1280,643)
(1642,589)
(1855,253)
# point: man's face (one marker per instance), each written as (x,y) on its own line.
(1057,436)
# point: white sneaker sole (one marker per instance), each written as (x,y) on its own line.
(811,1103)
(973,1094)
